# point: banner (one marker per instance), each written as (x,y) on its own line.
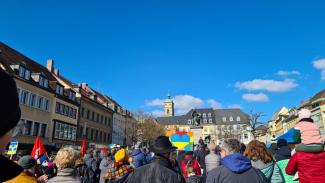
(182,140)
(13,148)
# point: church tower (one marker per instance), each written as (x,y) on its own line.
(169,107)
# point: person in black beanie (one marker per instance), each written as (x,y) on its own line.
(10,116)
(284,151)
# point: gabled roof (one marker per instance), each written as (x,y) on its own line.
(217,116)
(9,56)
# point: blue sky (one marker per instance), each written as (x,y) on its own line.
(207,53)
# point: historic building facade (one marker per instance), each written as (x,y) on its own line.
(218,124)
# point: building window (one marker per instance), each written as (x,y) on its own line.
(22,71)
(104,137)
(93,116)
(62,109)
(32,99)
(35,128)
(24,97)
(40,102)
(245,136)
(238,118)
(87,129)
(59,89)
(92,134)
(101,119)
(224,119)
(205,120)
(66,110)
(210,120)
(231,118)
(97,118)
(43,130)
(65,131)
(28,128)
(204,115)
(82,111)
(47,104)
(209,115)
(189,121)
(96,135)
(88,112)
(105,122)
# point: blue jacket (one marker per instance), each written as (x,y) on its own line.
(235,168)
(139,158)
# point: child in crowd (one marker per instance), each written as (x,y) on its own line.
(192,177)
(311,140)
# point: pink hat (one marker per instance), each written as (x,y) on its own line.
(304,113)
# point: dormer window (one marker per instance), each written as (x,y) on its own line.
(238,118)
(24,73)
(224,119)
(71,96)
(205,120)
(42,81)
(59,89)
(231,118)
(210,120)
(209,115)
(189,121)
(204,115)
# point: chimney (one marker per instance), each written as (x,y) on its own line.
(56,71)
(84,85)
(50,65)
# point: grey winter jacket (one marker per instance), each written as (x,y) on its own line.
(103,168)
(67,175)
(211,161)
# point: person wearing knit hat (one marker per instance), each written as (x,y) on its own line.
(28,175)
(10,116)
(310,135)
(119,170)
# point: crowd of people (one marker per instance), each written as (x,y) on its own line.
(229,161)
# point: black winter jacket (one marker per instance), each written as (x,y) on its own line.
(158,171)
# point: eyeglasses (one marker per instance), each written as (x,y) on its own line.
(18,129)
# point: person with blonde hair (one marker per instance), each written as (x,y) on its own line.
(65,160)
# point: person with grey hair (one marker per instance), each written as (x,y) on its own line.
(234,166)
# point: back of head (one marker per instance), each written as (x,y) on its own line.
(27,162)
(256,150)
(212,147)
(231,145)
(9,105)
(282,143)
(66,158)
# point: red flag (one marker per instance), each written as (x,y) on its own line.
(105,149)
(38,149)
(83,147)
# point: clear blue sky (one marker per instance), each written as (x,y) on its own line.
(136,51)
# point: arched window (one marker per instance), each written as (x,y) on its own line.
(205,120)
(204,115)
(231,118)
(210,120)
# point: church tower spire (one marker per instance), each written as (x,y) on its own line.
(168,106)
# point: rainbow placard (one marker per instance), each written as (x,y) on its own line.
(182,140)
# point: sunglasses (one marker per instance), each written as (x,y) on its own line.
(18,129)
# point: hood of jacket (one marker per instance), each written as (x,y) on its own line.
(236,163)
(267,168)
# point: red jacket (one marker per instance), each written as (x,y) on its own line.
(310,167)
(195,165)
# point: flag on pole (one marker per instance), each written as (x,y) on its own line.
(83,147)
(38,149)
